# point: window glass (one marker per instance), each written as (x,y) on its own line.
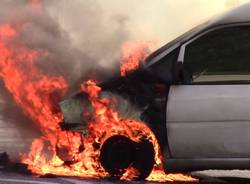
(163,69)
(220,56)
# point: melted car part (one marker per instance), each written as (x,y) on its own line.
(78,110)
(74,109)
(66,155)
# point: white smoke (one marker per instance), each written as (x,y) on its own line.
(97,22)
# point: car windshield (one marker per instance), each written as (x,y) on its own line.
(181,38)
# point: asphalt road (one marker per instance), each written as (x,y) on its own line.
(15,178)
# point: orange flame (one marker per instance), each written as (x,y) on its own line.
(38,94)
(133,53)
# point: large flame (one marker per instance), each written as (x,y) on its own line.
(38,94)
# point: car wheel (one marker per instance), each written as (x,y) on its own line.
(118,153)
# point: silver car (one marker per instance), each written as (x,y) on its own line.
(194,94)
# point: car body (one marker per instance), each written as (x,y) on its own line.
(194,93)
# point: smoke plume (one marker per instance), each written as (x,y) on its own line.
(82,38)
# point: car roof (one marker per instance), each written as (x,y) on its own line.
(237,15)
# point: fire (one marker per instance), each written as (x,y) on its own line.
(161,176)
(38,94)
(133,53)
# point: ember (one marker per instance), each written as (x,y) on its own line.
(62,152)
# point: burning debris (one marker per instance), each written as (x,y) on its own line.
(8,165)
(4,159)
(84,152)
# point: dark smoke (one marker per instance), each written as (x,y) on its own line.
(95,46)
(83,39)
(94,51)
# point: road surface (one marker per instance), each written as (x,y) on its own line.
(15,178)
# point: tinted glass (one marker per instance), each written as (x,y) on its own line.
(163,69)
(221,55)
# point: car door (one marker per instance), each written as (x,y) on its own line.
(209,116)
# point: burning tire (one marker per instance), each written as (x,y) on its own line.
(118,153)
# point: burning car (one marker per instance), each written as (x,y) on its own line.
(193,94)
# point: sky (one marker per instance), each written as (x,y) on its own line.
(144,19)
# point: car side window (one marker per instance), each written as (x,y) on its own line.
(162,70)
(220,56)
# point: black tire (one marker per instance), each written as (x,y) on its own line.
(119,152)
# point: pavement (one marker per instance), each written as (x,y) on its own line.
(18,175)
(205,178)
